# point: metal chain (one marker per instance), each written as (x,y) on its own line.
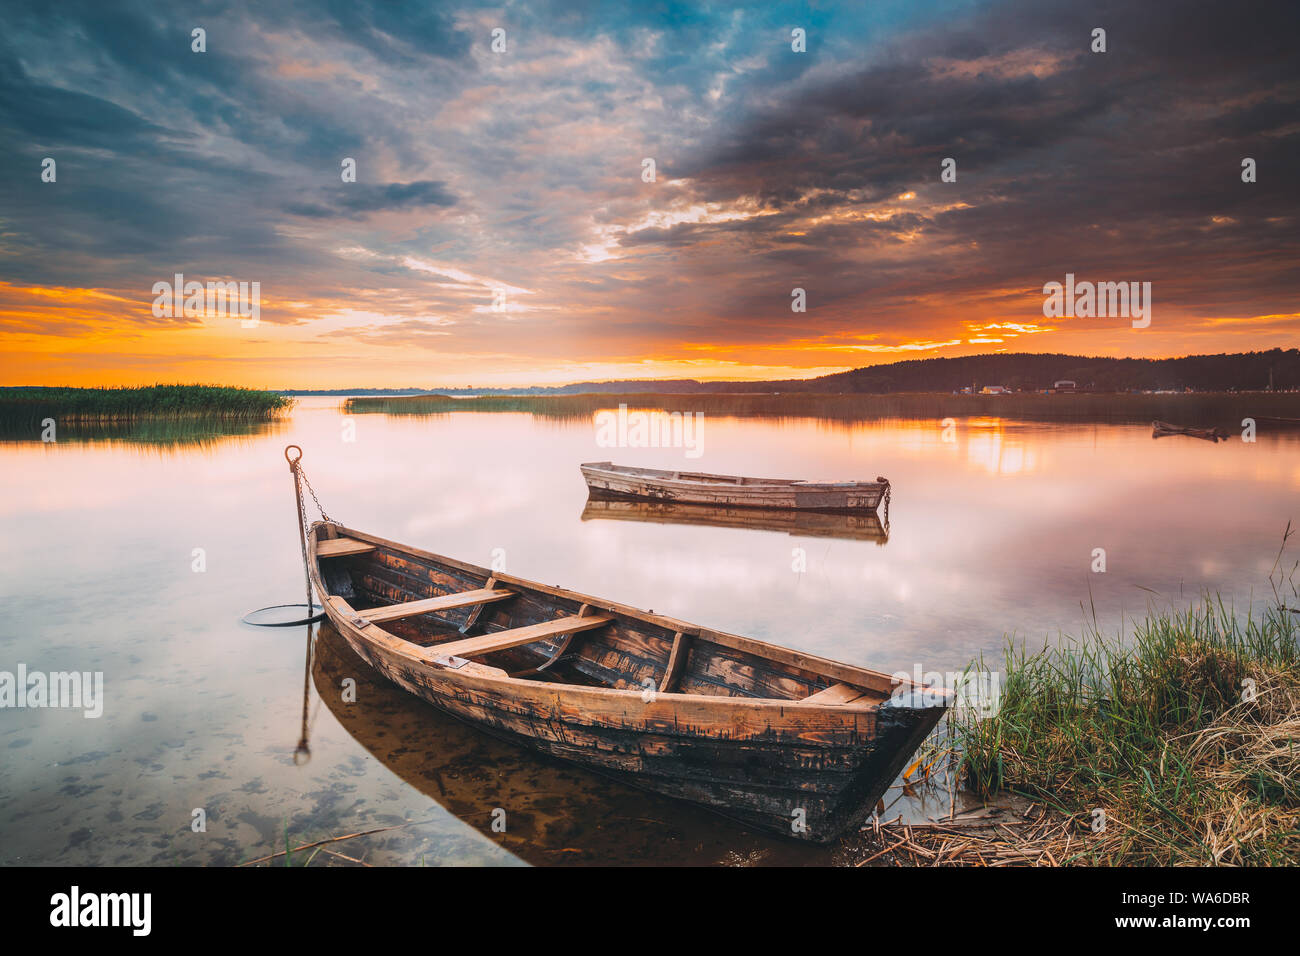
(889,492)
(300,479)
(324,517)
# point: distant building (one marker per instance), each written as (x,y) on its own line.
(1065,385)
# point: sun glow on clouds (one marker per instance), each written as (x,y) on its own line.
(900,347)
(461,276)
(504,192)
(686,212)
(1001,331)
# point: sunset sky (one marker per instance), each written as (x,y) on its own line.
(480,172)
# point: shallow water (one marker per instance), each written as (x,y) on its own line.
(990,533)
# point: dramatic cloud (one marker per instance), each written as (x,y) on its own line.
(500,228)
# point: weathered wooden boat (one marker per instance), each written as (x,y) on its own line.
(780,740)
(607,479)
(557,813)
(1164,429)
(856,525)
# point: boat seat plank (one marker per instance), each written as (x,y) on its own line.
(515,636)
(835,694)
(338,547)
(445,602)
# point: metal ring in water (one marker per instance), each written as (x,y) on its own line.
(317,614)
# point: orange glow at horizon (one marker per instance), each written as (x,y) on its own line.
(108,337)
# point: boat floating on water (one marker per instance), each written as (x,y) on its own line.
(1164,429)
(609,480)
(780,740)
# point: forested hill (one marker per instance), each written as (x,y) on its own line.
(1246,371)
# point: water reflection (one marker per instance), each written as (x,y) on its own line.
(993,530)
(555,813)
(196,432)
(860,527)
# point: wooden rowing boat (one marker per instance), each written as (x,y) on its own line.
(557,814)
(780,740)
(1164,429)
(857,525)
(609,480)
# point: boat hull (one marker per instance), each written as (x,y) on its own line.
(734,492)
(791,767)
(805,789)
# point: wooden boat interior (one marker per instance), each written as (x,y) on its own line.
(509,627)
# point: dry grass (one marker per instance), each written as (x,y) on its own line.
(1179,746)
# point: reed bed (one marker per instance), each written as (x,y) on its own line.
(26,407)
(1038,839)
(1186,737)
(1218,409)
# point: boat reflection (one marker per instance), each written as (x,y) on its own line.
(815,524)
(556,814)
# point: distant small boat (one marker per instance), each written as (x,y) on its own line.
(856,525)
(607,479)
(1164,429)
(778,739)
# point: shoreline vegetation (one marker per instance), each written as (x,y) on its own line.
(27,407)
(1179,746)
(1017,371)
(1217,409)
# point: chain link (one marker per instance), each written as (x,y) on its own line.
(889,492)
(312,491)
(300,479)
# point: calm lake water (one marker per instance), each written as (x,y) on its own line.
(991,533)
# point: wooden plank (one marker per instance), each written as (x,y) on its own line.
(835,694)
(513,637)
(875,680)
(445,602)
(676,659)
(337,547)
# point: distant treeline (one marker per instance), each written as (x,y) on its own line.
(1202,408)
(1246,371)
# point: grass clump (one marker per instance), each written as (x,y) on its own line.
(1186,736)
(26,407)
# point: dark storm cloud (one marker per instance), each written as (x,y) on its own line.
(363,199)
(1067,160)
